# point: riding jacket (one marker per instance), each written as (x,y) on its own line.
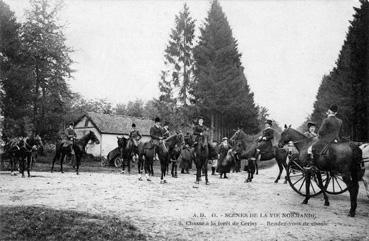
(330,129)
(70,133)
(135,135)
(197,130)
(156,133)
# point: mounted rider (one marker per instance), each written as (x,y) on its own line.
(165,130)
(265,145)
(329,132)
(70,136)
(198,130)
(135,135)
(311,132)
(156,133)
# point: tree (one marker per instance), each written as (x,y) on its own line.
(48,57)
(177,77)
(15,86)
(347,85)
(221,90)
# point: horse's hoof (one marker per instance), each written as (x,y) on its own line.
(351,214)
(226,177)
(148,179)
(122,172)
(197,182)
(207,183)
(326,203)
(247,180)
(165,181)
(276,181)
(304,202)
(77,173)
(140,179)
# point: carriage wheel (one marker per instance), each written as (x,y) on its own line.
(333,183)
(103,162)
(118,161)
(296,176)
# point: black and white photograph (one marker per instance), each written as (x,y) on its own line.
(184,120)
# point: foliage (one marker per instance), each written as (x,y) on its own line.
(221,90)
(347,85)
(38,223)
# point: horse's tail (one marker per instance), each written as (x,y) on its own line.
(357,171)
(57,151)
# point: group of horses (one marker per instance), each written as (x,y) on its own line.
(22,153)
(345,158)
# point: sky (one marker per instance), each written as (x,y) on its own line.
(286,45)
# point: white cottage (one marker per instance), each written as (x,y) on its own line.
(107,128)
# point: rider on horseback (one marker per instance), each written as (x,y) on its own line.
(265,141)
(166,130)
(329,132)
(311,130)
(135,135)
(70,135)
(198,130)
(156,133)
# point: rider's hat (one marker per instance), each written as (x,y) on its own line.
(71,123)
(157,119)
(309,124)
(225,138)
(270,122)
(333,108)
(133,125)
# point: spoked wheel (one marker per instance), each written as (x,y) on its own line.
(296,176)
(333,183)
(118,161)
(103,162)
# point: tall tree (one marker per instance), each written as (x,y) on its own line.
(15,85)
(348,83)
(221,90)
(177,77)
(176,81)
(49,58)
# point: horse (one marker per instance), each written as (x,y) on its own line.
(227,160)
(125,151)
(36,149)
(174,144)
(12,148)
(78,146)
(343,157)
(26,152)
(201,154)
(130,151)
(187,155)
(245,151)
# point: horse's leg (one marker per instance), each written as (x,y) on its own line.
(280,170)
(29,159)
(78,162)
(22,164)
(353,187)
(257,160)
(284,163)
(198,173)
(320,181)
(61,162)
(206,172)
(307,186)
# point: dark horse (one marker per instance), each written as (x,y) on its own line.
(201,158)
(11,149)
(246,148)
(79,146)
(27,148)
(344,158)
(125,149)
(165,151)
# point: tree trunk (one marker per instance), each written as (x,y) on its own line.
(35,99)
(212,120)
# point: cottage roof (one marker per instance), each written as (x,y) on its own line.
(118,124)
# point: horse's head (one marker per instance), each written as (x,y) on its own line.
(236,136)
(287,135)
(122,141)
(93,137)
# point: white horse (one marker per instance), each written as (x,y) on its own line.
(365,149)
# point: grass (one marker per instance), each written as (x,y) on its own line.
(39,223)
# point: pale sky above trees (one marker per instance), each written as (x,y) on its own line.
(286,47)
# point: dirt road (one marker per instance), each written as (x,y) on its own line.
(228,209)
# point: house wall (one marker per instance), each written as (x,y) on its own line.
(109,142)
